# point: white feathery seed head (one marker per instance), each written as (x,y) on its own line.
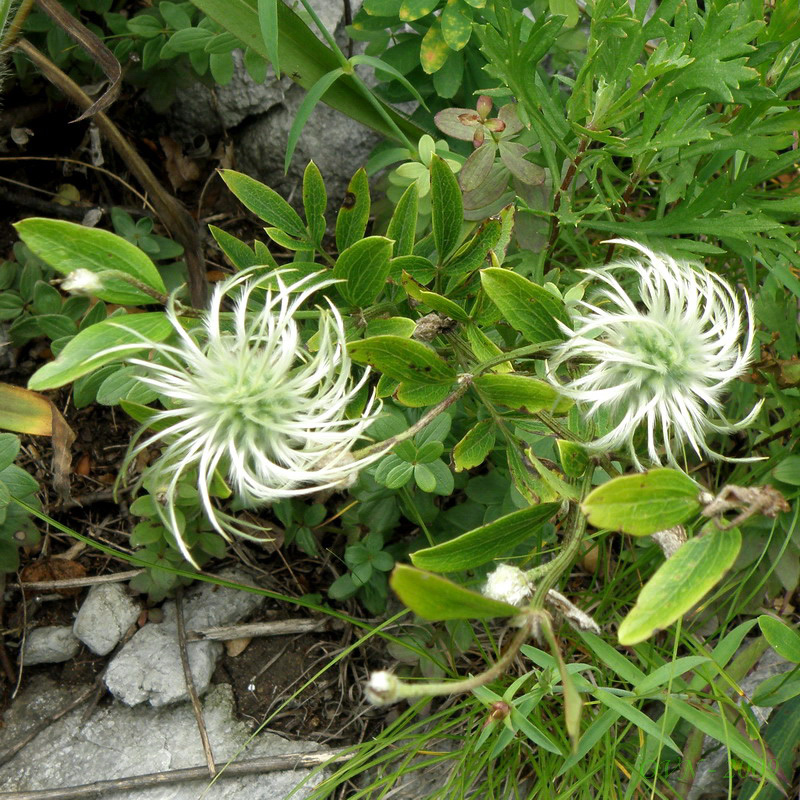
(662,361)
(507,584)
(82,281)
(245,396)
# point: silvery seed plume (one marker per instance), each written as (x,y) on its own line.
(245,396)
(662,363)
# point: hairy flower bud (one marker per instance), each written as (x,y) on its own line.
(82,282)
(382,688)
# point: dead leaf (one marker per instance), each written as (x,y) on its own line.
(235,647)
(52,569)
(181,170)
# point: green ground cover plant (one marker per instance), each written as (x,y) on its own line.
(556,419)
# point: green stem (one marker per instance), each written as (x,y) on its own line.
(464,382)
(576,527)
(512,355)
(409,690)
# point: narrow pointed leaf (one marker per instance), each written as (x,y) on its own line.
(680,582)
(436,598)
(487,543)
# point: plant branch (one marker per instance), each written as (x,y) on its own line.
(576,527)
(464,382)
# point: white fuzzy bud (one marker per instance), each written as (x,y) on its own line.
(382,688)
(82,282)
(507,584)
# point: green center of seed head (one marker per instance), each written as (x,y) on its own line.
(666,352)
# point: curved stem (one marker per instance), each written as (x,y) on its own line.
(409,690)
(576,527)
(464,382)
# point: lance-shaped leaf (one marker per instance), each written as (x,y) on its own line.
(436,598)
(482,545)
(477,443)
(517,391)
(680,582)
(645,503)
(447,212)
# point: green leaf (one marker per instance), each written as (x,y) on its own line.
(487,543)
(716,725)
(528,308)
(642,504)
(435,301)
(785,641)
(625,709)
(788,471)
(9,447)
(446,208)
(680,582)
(402,359)
(310,100)
(574,458)
(517,391)
(66,246)
(475,252)
(315,201)
(265,203)
(418,395)
(270,32)
(364,266)
(443,482)
(477,443)
(305,58)
(238,253)
(436,598)
(90,348)
(379,64)
(433,51)
(424,478)
(403,224)
(351,223)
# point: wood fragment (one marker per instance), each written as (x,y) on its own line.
(71,583)
(278,627)
(190,687)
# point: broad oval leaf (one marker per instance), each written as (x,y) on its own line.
(484,544)
(436,598)
(66,246)
(645,503)
(528,308)
(23,411)
(785,641)
(680,582)
(92,347)
(364,267)
(401,359)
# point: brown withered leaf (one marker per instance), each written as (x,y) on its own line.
(100,54)
(181,170)
(54,569)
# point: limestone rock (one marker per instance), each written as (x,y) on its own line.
(105,616)
(49,645)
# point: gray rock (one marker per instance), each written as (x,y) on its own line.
(149,669)
(260,116)
(120,742)
(49,645)
(105,616)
